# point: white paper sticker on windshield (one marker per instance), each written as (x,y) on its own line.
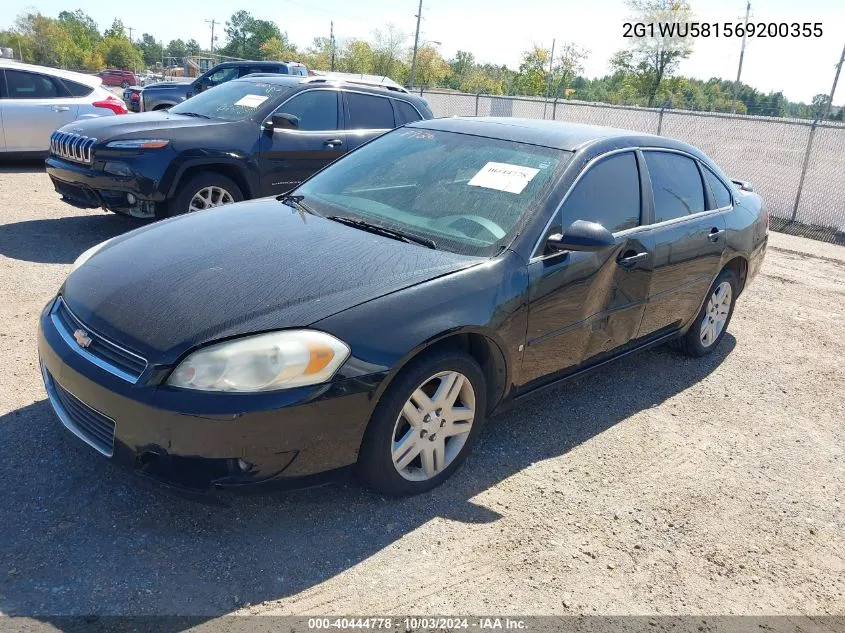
(251,101)
(503,177)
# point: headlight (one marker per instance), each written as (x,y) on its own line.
(87,254)
(138,143)
(277,360)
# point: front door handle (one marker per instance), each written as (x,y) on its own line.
(715,232)
(60,108)
(629,261)
(333,142)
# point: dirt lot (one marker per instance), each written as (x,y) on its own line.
(661,485)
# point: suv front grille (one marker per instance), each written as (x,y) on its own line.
(73,147)
(86,423)
(99,350)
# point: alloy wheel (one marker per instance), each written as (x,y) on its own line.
(434,426)
(209,197)
(716,314)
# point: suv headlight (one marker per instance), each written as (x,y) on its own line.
(263,362)
(138,143)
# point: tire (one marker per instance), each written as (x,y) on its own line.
(181,202)
(389,423)
(124,84)
(694,342)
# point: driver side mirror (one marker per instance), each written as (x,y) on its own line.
(283,121)
(581,236)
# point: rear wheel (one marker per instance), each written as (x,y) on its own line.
(712,321)
(425,424)
(124,84)
(202,191)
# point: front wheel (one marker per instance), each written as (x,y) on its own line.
(202,191)
(425,424)
(712,321)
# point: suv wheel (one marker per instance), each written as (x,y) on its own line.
(124,84)
(202,191)
(425,424)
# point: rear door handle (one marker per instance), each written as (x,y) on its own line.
(333,142)
(60,108)
(715,232)
(632,260)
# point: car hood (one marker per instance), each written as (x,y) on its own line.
(251,267)
(147,125)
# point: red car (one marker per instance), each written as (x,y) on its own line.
(114,77)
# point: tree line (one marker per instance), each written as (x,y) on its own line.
(643,73)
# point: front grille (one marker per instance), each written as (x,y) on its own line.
(73,147)
(99,350)
(88,424)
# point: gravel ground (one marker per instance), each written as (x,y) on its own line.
(661,485)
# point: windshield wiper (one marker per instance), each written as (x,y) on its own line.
(395,234)
(194,114)
(296,202)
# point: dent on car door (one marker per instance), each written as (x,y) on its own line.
(689,237)
(289,156)
(583,305)
(36,105)
(367,116)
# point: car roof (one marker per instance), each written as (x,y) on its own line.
(555,134)
(247,62)
(88,80)
(297,81)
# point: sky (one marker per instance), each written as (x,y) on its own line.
(497,31)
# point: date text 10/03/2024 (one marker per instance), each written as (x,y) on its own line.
(419,623)
(722,29)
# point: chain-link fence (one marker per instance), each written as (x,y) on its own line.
(797,166)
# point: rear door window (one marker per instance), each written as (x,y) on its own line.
(26,85)
(609,193)
(676,184)
(369,112)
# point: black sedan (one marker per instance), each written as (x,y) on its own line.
(377,314)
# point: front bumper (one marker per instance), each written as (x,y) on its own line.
(199,441)
(90,187)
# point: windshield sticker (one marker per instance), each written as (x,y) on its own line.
(503,177)
(251,101)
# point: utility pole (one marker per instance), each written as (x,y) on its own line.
(212,22)
(741,52)
(130,32)
(416,44)
(331,42)
(134,66)
(551,61)
(835,81)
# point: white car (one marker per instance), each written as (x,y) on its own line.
(35,100)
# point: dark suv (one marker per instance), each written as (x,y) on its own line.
(165,94)
(257,136)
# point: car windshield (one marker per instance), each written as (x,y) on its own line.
(233,100)
(469,194)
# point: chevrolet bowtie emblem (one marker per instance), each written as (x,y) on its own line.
(82,338)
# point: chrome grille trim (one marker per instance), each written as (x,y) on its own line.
(85,422)
(100,361)
(73,147)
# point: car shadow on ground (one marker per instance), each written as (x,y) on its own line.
(81,536)
(61,240)
(22,166)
